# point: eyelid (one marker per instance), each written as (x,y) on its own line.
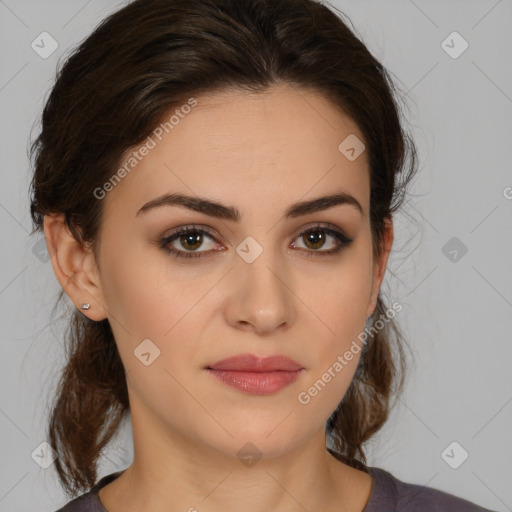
(192,227)
(214,234)
(320,225)
(334,231)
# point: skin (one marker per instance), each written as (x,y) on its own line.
(233,148)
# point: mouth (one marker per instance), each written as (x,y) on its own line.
(251,363)
(256,383)
(255,375)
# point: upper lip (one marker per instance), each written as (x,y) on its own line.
(251,363)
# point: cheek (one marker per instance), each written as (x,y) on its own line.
(154,322)
(341,308)
(337,351)
(134,297)
(140,303)
(149,297)
(340,297)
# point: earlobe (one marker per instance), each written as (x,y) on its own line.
(74,267)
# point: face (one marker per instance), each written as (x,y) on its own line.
(266,283)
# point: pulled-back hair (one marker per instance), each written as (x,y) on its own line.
(113,90)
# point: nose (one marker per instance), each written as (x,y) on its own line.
(260,295)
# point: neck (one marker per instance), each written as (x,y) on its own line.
(176,472)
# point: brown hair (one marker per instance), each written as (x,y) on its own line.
(114,89)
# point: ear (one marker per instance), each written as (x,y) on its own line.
(379,268)
(74,267)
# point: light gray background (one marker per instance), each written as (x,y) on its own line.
(457,314)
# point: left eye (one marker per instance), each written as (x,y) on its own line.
(191,238)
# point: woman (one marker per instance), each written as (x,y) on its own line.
(216,181)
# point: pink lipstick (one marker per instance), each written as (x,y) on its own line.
(255,375)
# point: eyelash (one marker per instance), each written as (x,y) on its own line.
(342,239)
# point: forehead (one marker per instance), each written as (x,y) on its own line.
(281,145)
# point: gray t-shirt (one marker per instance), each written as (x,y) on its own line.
(388,494)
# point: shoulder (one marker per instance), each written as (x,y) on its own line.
(391,494)
(89,501)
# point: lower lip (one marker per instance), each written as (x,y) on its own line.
(256,383)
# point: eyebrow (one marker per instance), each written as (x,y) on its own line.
(221,211)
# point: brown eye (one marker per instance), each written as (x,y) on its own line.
(317,237)
(185,242)
(314,239)
(189,238)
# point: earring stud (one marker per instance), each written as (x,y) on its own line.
(85,306)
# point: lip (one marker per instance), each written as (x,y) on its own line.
(256,383)
(256,375)
(251,363)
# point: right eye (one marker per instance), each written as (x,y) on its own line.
(190,238)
